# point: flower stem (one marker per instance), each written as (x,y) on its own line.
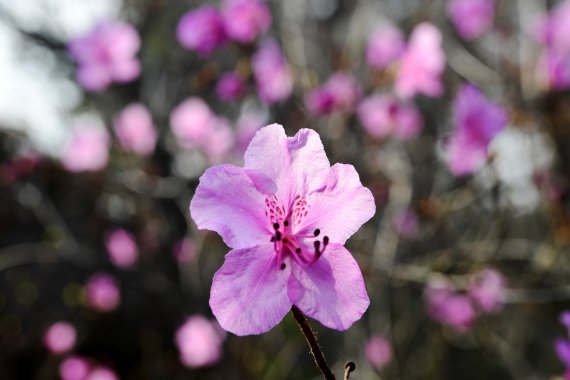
(313,344)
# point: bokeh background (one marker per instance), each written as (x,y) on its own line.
(103,274)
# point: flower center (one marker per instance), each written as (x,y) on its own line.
(305,249)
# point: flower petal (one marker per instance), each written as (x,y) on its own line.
(226,201)
(297,165)
(249,292)
(341,207)
(331,291)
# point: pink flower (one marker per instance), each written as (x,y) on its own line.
(185,250)
(202,30)
(80,368)
(385,45)
(477,121)
(135,130)
(87,150)
(447,306)
(197,127)
(246,127)
(107,54)
(378,352)
(245,19)
(562,347)
(272,74)
(102,292)
(553,69)
(286,215)
(122,248)
(552,32)
(199,342)
(385,115)
(422,64)
(74,368)
(340,93)
(230,87)
(405,223)
(102,373)
(471,18)
(60,337)
(487,290)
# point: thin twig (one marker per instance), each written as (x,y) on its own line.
(349,367)
(313,344)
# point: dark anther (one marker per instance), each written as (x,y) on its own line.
(284,240)
(317,232)
(317,245)
(272,239)
(283,266)
(276,226)
(325,240)
(298,250)
(286,223)
(278,235)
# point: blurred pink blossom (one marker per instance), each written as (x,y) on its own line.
(471,18)
(197,127)
(202,30)
(185,250)
(385,45)
(552,31)
(60,337)
(247,125)
(245,20)
(230,87)
(477,121)
(122,248)
(405,222)
(87,150)
(106,54)
(422,64)
(446,306)
(339,93)
(199,342)
(487,290)
(101,373)
(74,368)
(272,73)
(385,115)
(102,292)
(135,130)
(378,352)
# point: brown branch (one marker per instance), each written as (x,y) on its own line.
(313,344)
(348,368)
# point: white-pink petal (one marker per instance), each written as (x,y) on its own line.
(341,207)
(249,292)
(297,165)
(331,291)
(227,201)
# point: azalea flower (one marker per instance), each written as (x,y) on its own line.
(378,351)
(286,215)
(423,63)
(272,73)
(199,342)
(60,337)
(477,121)
(385,45)
(202,30)
(135,130)
(471,18)
(244,20)
(106,54)
(339,93)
